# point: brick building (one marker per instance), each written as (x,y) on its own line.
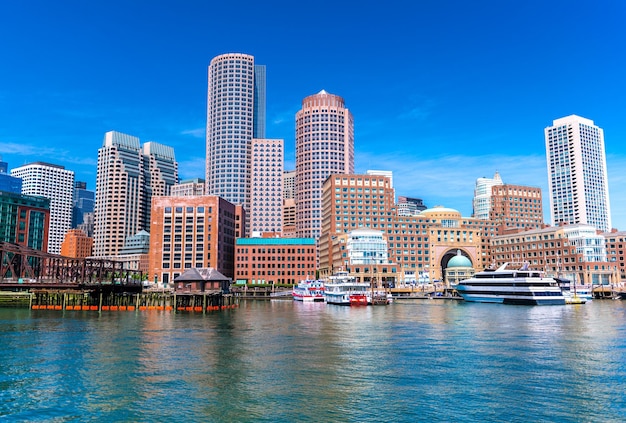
(275,260)
(193,232)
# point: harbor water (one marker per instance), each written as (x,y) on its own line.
(280,361)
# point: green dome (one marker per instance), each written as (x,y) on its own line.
(459,261)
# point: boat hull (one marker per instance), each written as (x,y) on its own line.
(557,300)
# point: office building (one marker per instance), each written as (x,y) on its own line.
(572,251)
(387,173)
(9,183)
(160,174)
(128,176)
(289,184)
(84,201)
(515,207)
(235,115)
(275,260)
(420,244)
(192,232)
(135,253)
(577,173)
(324,146)
(408,206)
(57,184)
(482,196)
(77,244)
(266,198)
(188,187)
(24,220)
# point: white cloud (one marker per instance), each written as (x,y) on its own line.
(196,133)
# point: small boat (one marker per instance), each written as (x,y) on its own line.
(309,290)
(571,295)
(343,289)
(510,284)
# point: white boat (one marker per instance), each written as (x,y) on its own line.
(510,285)
(309,290)
(343,289)
(571,294)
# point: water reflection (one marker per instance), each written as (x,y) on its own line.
(285,361)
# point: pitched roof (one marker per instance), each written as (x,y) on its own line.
(201,274)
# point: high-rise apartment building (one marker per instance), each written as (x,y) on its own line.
(266,197)
(324,146)
(577,173)
(127,178)
(57,184)
(482,195)
(235,115)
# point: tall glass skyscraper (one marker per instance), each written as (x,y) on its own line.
(235,115)
(577,174)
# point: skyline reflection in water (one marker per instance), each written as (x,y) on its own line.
(283,361)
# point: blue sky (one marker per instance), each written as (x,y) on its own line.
(442,92)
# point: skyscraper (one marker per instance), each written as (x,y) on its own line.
(127,178)
(57,184)
(577,174)
(84,200)
(235,115)
(482,195)
(266,197)
(324,146)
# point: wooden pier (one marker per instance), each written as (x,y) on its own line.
(104,298)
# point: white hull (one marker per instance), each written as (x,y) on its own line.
(309,291)
(505,286)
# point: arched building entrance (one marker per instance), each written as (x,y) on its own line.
(456,264)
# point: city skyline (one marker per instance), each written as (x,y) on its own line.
(439,98)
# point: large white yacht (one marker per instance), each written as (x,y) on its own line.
(511,284)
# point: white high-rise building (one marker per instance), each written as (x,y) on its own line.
(235,115)
(57,184)
(577,174)
(482,196)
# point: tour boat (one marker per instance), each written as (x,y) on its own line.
(343,289)
(508,285)
(309,290)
